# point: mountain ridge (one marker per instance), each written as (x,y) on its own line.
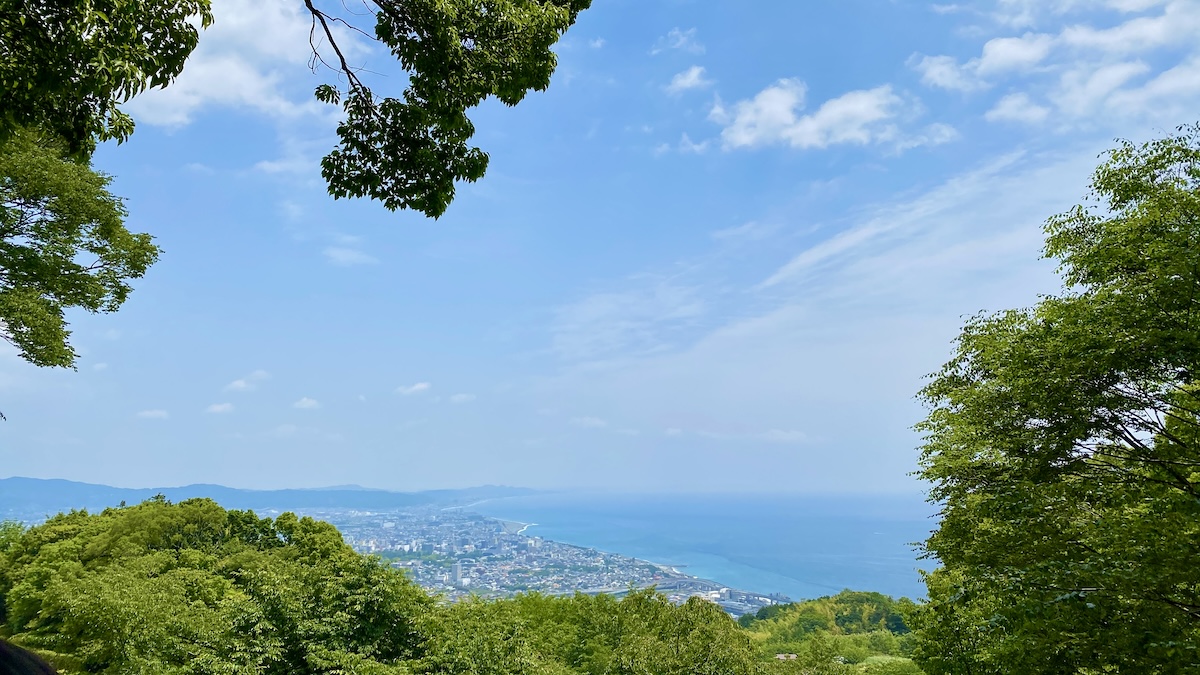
(20,494)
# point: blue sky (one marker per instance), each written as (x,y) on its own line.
(719,254)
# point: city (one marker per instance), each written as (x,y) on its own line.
(455,553)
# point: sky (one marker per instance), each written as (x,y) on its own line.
(721,253)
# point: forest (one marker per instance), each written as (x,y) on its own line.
(194,588)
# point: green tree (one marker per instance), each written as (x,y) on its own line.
(63,245)
(1063,442)
(66,66)
(408,151)
(192,588)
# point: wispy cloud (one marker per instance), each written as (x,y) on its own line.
(781,436)
(410,389)
(683,40)
(348,257)
(306,403)
(612,322)
(238,64)
(589,422)
(1080,70)
(250,382)
(1017,108)
(462,398)
(692,78)
(219,408)
(752,230)
(687,145)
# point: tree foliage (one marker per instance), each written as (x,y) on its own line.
(63,244)
(1064,444)
(851,632)
(193,588)
(408,151)
(65,67)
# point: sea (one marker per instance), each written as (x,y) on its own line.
(798,546)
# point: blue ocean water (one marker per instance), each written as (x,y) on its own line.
(803,547)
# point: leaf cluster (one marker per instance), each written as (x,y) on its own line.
(66,66)
(408,151)
(63,244)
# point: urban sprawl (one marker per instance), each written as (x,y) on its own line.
(456,553)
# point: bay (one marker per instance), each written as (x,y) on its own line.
(800,546)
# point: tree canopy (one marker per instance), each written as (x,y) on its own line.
(65,67)
(193,588)
(851,632)
(1064,444)
(63,244)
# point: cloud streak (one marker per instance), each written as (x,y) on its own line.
(411,389)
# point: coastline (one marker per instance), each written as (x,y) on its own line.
(520,527)
(801,547)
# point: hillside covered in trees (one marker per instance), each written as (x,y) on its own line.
(195,588)
(851,632)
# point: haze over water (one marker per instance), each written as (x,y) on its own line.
(801,546)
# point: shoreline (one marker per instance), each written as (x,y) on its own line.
(673,572)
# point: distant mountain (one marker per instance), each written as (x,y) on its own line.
(25,496)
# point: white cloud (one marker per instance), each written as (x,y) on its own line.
(348,257)
(1179,23)
(1001,56)
(248,383)
(589,422)
(779,436)
(306,403)
(934,134)
(245,60)
(153,414)
(747,231)
(596,43)
(1083,90)
(692,78)
(1092,72)
(684,40)
(858,117)
(462,398)
(687,145)
(411,389)
(944,72)
(1017,108)
(100,366)
(1172,94)
(224,80)
(219,408)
